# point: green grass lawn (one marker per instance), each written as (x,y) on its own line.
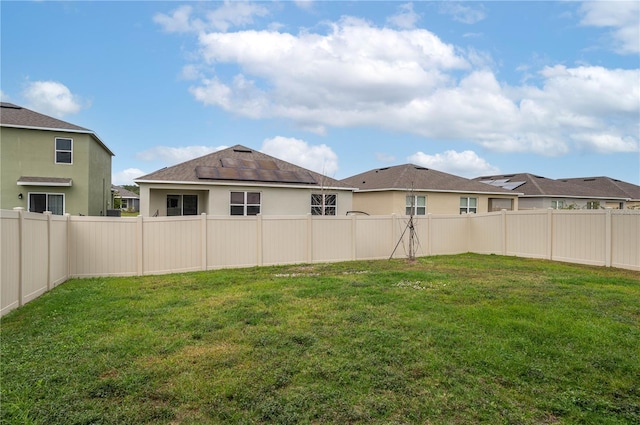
(459,339)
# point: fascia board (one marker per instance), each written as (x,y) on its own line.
(240,184)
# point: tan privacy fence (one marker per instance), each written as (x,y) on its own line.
(40,251)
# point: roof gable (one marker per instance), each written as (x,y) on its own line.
(413,177)
(240,164)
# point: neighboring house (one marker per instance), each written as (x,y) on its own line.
(240,181)
(52,165)
(129,201)
(403,189)
(611,187)
(540,192)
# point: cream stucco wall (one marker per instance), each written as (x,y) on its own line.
(214,199)
(394,202)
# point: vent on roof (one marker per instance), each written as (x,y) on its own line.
(385,168)
(242,150)
(509,175)
(589,180)
(10,106)
(420,168)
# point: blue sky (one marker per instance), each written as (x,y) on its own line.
(469,88)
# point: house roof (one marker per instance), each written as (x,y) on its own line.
(608,185)
(409,176)
(18,117)
(537,186)
(124,193)
(239,164)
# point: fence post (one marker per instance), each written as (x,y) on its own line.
(429,233)
(21,251)
(259,239)
(394,232)
(550,233)
(353,237)
(140,245)
(309,239)
(607,237)
(504,231)
(204,237)
(67,223)
(48,214)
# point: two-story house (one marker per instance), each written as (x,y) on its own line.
(51,165)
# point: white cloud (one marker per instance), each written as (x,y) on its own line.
(318,158)
(405,18)
(171,156)
(52,98)
(126,176)
(466,163)
(4,97)
(621,16)
(462,13)
(229,14)
(357,74)
(304,4)
(385,157)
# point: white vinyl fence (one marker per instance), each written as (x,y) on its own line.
(41,251)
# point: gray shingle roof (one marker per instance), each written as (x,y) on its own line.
(409,176)
(542,186)
(240,164)
(612,187)
(124,193)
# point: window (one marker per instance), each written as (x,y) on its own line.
(41,202)
(244,203)
(182,205)
(557,205)
(64,151)
(323,204)
(468,205)
(593,205)
(416,205)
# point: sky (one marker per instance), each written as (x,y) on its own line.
(339,87)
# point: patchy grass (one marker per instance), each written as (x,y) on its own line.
(442,340)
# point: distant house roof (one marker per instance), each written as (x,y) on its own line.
(18,117)
(413,177)
(240,165)
(537,186)
(124,193)
(613,187)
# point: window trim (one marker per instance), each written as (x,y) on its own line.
(467,207)
(56,151)
(46,195)
(323,206)
(245,205)
(413,204)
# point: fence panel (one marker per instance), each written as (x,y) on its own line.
(285,240)
(232,242)
(625,240)
(59,262)
(528,233)
(332,239)
(35,256)
(486,233)
(579,237)
(102,246)
(374,235)
(449,234)
(172,244)
(10,261)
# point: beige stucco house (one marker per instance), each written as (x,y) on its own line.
(611,187)
(406,189)
(240,181)
(51,165)
(538,192)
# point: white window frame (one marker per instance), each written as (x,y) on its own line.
(465,205)
(557,205)
(180,198)
(56,151)
(412,205)
(246,206)
(46,200)
(321,204)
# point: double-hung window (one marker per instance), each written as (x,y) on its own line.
(41,202)
(64,150)
(557,205)
(468,205)
(244,203)
(416,205)
(323,204)
(182,205)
